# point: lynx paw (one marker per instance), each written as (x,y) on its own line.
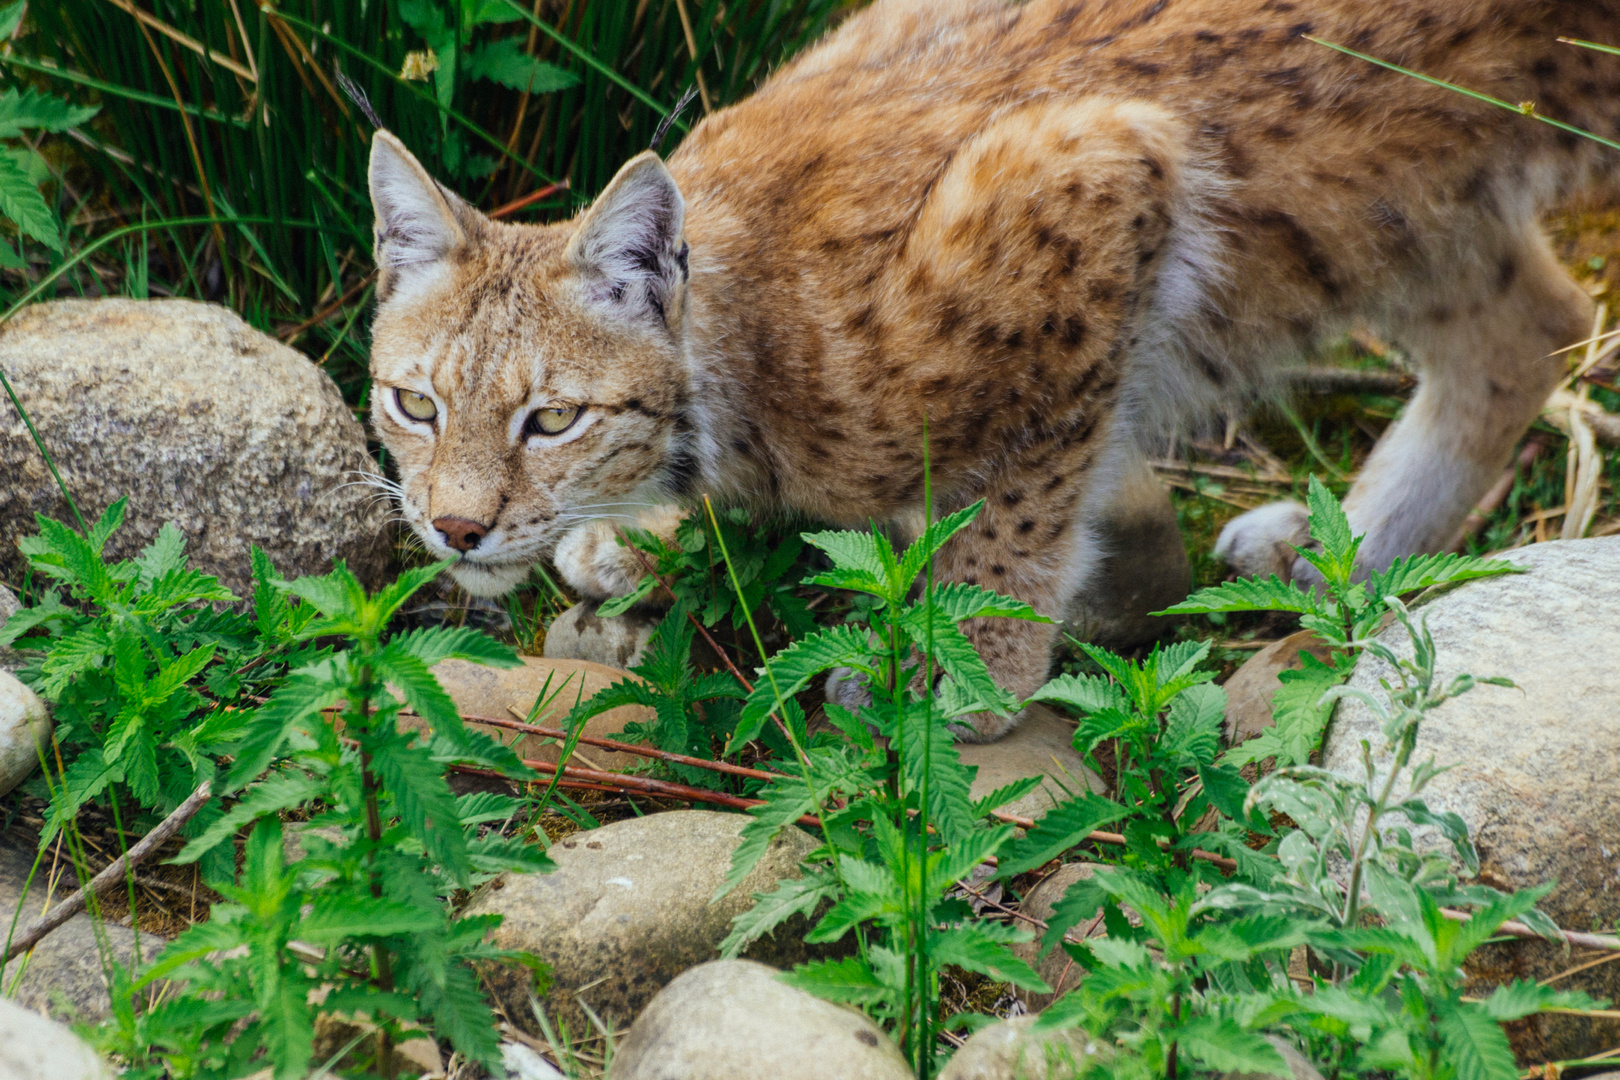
(594,563)
(1261,543)
(846,688)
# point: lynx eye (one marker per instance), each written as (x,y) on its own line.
(551,421)
(416,406)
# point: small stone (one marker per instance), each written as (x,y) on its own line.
(25,731)
(1144,568)
(627,910)
(1041,745)
(1009,1050)
(1531,770)
(1057,969)
(35,1048)
(618,641)
(66,964)
(198,419)
(732,1018)
(1250,689)
(509,694)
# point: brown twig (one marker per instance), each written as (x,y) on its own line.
(287,336)
(532,197)
(626,748)
(1519,930)
(112,875)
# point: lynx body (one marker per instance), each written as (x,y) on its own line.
(1051,232)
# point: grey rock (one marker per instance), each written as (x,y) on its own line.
(64,974)
(198,419)
(627,910)
(732,1019)
(1144,565)
(25,730)
(1009,1050)
(34,1048)
(619,642)
(1041,745)
(1056,969)
(558,684)
(1532,770)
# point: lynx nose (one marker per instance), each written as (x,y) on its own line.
(459,533)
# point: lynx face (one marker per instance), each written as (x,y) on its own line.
(526,378)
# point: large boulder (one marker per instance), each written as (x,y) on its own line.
(198,419)
(34,1048)
(25,731)
(63,974)
(732,1019)
(1531,770)
(1041,745)
(510,694)
(628,909)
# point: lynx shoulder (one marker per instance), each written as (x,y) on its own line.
(1050,231)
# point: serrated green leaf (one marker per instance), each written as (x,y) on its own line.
(334,917)
(423,800)
(296,700)
(421,691)
(166,552)
(974,947)
(933,538)
(1524,998)
(1084,694)
(792,669)
(276,793)
(850,980)
(21,202)
(503,61)
(1414,572)
(1059,829)
(1192,729)
(1330,529)
(1221,1045)
(1475,1045)
(794,896)
(618,605)
(86,778)
(1246,594)
(786,800)
(35,110)
(957,656)
(1005,794)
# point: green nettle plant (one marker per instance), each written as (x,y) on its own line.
(141,668)
(360,921)
(899,827)
(693,711)
(1196,979)
(1342,612)
(700,579)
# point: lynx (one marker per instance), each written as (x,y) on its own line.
(1051,231)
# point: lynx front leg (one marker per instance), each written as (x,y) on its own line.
(594,563)
(1486,372)
(1029,542)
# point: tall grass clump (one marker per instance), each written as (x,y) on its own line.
(220,108)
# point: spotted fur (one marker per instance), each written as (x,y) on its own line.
(1047,231)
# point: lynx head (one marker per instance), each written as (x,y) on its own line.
(526,378)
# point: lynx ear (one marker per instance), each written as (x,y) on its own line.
(417,224)
(629,246)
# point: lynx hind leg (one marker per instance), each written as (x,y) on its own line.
(1142,563)
(1483,349)
(594,563)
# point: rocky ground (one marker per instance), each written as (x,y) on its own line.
(203,421)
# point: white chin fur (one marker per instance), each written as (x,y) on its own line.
(483,580)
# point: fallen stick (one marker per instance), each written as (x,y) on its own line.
(111,876)
(624,747)
(1605,425)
